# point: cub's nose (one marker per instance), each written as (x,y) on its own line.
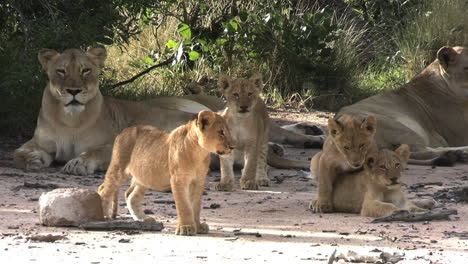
(243,107)
(74,91)
(394,180)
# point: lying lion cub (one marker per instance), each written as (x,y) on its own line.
(344,151)
(158,160)
(375,191)
(249,124)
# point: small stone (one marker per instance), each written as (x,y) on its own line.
(69,207)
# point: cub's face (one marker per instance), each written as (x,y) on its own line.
(213,133)
(73,75)
(241,94)
(386,167)
(353,137)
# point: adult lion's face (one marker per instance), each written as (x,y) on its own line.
(454,65)
(73,75)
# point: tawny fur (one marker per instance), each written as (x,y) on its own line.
(376,191)
(157,160)
(350,140)
(429,113)
(249,124)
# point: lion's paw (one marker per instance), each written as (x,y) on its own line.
(203,228)
(249,184)
(263,182)
(185,230)
(224,186)
(315,141)
(319,206)
(31,159)
(79,166)
(417,209)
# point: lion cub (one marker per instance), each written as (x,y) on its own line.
(158,160)
(350,140)
(375,191)
(249,124)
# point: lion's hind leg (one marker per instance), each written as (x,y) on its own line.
(109,190)
(134,197)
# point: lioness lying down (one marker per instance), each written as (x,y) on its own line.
(375,191)
(78,125)
(158,160)
(429,113)
(345,150)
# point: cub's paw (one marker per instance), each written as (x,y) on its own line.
(320,206)
(417,209)
(203,228)
(249,184)
(79,166)
(224,186)
(31,159)
(263,182)
(185,230)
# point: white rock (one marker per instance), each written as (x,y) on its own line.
(69,207)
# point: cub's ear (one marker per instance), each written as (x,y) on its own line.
(403,151)
(205,119)
(224,83)
(447,56)
(334,126)
(369,124)
(98,55)
(45,56)
(257,80)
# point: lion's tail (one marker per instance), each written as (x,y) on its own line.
(281,163)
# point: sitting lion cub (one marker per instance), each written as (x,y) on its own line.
(350,140)
(249,124)
(375,191)
(158,160)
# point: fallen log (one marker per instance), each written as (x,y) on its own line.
(406,216)
(123,225)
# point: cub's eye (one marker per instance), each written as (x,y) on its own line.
(236,95)
(383,167)
(221,133)
(346,147)
(466,69)
(60,72)
(361,146)
(85,71)
(397,165)
(249,94)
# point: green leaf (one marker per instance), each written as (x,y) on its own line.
(221,41)
(193,55)
(171,44)
(234,25)
(185,31)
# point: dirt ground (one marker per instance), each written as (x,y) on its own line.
(276,223)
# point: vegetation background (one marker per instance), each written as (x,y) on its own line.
(320,54)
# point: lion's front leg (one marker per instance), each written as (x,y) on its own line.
(185,216)
(262,172)
(90,161)
(31,157)
(248,180)
(227,173)
(196,191)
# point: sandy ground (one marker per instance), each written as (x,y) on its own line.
(287,231)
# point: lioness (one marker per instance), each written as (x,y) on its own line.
(375,191)
(249,124)
(350,140)
(429,113)
(158,160)
(77,125)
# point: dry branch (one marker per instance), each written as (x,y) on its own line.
(407,216)
(123,225)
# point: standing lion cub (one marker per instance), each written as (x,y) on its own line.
(158,160)
(249,124)
(375,191)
